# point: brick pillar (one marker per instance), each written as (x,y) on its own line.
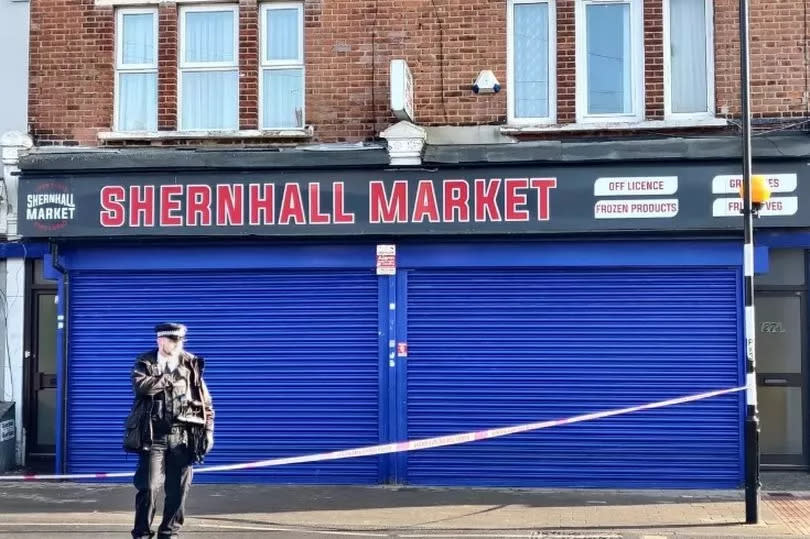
(654,60)
(566,63)
(249,48)
(167,67)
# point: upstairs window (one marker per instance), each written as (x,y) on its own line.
(689,66)
(282,66)
(136,70)
(531,51)
(610,60)
(209,68)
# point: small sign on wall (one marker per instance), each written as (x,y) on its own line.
(386,259)
(6,430)
(401,90)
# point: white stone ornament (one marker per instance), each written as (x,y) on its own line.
(405,143)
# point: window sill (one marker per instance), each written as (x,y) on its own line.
(113,136)
(613,126)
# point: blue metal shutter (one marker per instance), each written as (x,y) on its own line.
(491,348)
(292,364)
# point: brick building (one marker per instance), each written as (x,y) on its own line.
(469,267)
(347,47)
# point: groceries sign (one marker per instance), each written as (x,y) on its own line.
(452,201)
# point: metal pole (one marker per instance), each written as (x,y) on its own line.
(752,413)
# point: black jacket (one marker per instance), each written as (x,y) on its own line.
(149,385)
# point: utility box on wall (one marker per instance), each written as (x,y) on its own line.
(8,437)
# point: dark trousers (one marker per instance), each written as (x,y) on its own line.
(170,462)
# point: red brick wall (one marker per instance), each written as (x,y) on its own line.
(71,71)
(566,62)
(654,60)
(248,64)
(167,67)
(778,49)
(348,47)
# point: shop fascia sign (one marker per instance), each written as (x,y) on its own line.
(306,204)
(526,200)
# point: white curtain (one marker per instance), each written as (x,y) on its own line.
(210,97)
(210,100)
(688,81)
(137,102)
(283,98)
(610,67)
(282,87)
(137,90)
(282,34)
(531,64)
(209,36)
(138,39)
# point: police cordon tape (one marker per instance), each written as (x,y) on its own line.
(399,447)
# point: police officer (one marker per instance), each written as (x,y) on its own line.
(177,421)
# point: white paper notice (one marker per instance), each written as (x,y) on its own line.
(386,260)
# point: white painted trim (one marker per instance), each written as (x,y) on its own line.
(299,7)
(552,64)
(123,3)
(265,64)
(613,126)
(111,136)
(13,368)
(190,67)
(120,67)
(636,64)
(710,81)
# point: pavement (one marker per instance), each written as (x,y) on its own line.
(66,510)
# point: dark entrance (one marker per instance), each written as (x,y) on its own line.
(40,367)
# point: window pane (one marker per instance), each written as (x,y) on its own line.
(785,267)
(283,98)
(137,102)
(282,34)
(610,84)
(209,36)
(209,100)
(531,60)
(779,335)
(138,39)
(46,416)
(687,32)
(782,420)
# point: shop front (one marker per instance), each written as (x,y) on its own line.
(346,307)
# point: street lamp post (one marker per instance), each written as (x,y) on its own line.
(752,199)
(753,193)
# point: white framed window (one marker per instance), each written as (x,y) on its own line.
(610,61)
(282,76)
(208,78)
(531,62)
(136,62)
(688,59)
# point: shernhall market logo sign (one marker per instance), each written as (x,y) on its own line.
(50,207)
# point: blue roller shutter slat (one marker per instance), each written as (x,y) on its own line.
(490,348)
(292,363)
